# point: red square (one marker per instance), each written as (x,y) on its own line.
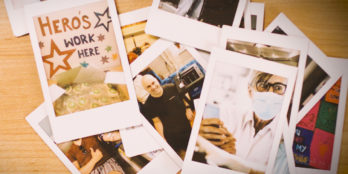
(321,149)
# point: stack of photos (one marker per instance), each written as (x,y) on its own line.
(183,86)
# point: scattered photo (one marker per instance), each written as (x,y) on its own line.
(186,21)
(98,154)
(166,83)
(70,58)
(82,67)
(245,104)
(214,12)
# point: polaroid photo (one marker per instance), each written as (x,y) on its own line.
(272,47)
(103,153)
(318,135)
(193,22)
(254,16)
(167,78)
(15,12)
(133,29)
(224,138)
(83,67)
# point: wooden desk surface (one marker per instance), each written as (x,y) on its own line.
(325,22)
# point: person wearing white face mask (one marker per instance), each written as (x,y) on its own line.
(249,133)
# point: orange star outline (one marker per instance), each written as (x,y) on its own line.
(56,49)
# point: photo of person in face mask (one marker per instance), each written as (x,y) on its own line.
(248,133)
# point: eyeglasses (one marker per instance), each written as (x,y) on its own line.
(278,88)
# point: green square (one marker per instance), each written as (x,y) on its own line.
(327,116)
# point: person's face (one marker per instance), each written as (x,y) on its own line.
(112,136)
(275,84)
(267,96)
(152,86)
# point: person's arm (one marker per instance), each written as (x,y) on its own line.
(86,169)
(213,130)
(158,126)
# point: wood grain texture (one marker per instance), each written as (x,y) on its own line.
(21,149)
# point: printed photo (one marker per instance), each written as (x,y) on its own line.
(240,117)
(165,90)
(136,40)
(100,154)
(196,23)
(273,47)
(241,111)
(214,12)
(104,153)
(77,51)
(83,68)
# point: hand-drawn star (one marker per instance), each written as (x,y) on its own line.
(41,45)
(55,57)
(114,56)
(101,37)
(108,48)
(84,64)
(106,19)
(105,59)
